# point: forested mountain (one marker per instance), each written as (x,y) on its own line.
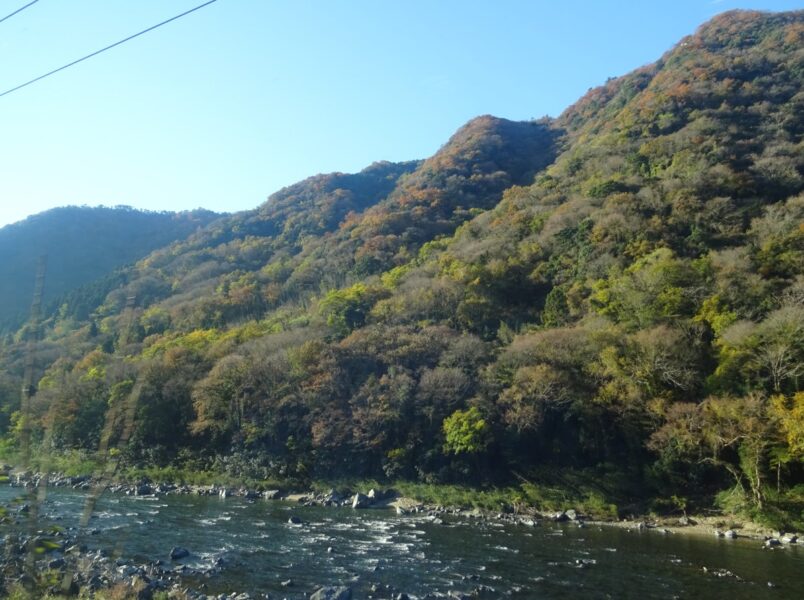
(617,291)
(82,244)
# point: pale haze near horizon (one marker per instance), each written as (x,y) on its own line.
(229,104)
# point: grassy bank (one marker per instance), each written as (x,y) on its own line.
(599,494)
(545,495)
(555,495)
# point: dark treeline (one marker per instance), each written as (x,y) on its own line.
(618,290)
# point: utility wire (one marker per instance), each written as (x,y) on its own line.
(123,41)
(19,10)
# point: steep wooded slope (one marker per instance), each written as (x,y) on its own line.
(635,309)
(332,230)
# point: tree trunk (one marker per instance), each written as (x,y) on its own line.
(756,482)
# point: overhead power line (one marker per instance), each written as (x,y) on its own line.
(19,10)
(109,47)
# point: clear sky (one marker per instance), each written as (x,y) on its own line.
(227,105)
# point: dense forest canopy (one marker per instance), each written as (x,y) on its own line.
(617,290)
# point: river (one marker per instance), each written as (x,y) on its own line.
(366,549)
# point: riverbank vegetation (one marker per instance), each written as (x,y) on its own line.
(609,305)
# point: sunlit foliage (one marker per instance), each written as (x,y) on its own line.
(622,285)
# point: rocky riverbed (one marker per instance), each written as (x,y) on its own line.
(55,562)
(315,539)
(719,526)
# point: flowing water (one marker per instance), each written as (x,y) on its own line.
(412,554)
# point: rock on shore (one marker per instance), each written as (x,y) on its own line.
(332,593)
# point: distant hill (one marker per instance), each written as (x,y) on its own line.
(82,244)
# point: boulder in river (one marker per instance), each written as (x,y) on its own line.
(332,497)
(332,593)
(143,489)
(270,494)
(361,501)
(295,520)
(177,552)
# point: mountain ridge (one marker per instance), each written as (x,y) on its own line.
(616,292)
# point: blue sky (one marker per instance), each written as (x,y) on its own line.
(222,108)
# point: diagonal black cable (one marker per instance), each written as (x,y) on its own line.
(19,10)
(123,41)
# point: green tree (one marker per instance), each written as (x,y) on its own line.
(466,431)
(347,309)
(733,433)
(656,288)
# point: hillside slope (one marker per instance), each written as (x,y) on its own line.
(333,230)
(617,292)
